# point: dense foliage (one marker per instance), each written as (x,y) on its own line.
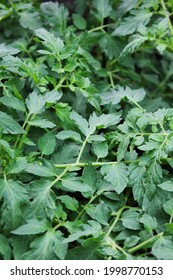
(86,130)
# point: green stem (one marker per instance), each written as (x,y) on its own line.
(120,211)
(167,16)
(101,27)
(82,149)
(23,126)
(144,243)
(98,164)
(58,226)
(111,80)
(114,246)
(83,210)
(83,164)
(60,82)
(59,176)
(26,131)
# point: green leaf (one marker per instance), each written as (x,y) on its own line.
(13,102)
(103,8)
(133,23)
(131,241)
(100,213)
(7,50)
(55,45)
(7,148)
(70,202)
(69,134)
(117,175)
(5,249)
(13,196)
(149,222)
(18,165)
(54,14)
(39,170)
(47,144)
(89,176)
(136,42)
(49,246)
(80,122)
(20,245)
(130,219)
(30,20)
(169,228)
(92,228)
(100,149)
(75,184)
(35,103)
(66,154)
(162,248)
(167,186)
(79,21)
(42,123)
(168,207)
(125,6)
(33,226)
(9,125)
(88,250)
(52,96)
(103,121)
(43,199)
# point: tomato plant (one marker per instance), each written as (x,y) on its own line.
(86,130)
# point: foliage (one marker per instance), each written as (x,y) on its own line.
(86,126)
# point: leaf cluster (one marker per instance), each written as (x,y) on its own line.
(86,130)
